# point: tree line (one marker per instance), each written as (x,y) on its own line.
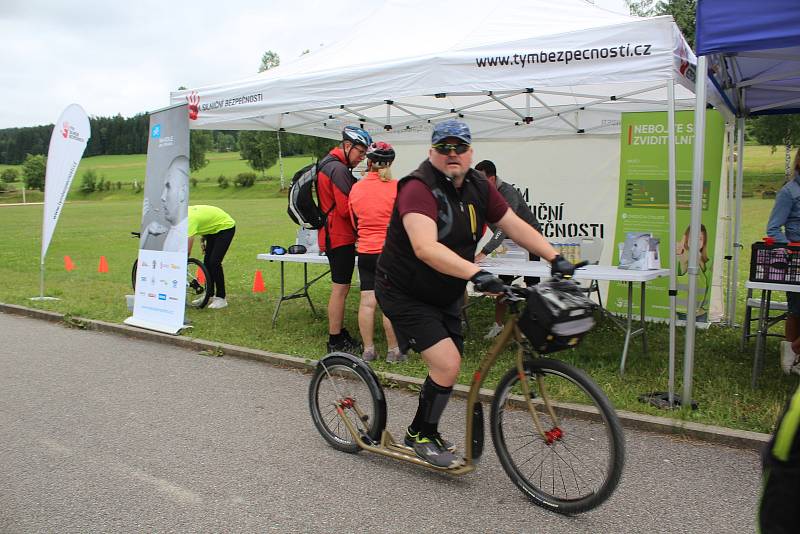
(121,135)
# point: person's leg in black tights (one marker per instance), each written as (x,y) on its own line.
(216,248)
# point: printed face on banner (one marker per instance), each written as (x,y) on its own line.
(164,216)
(174,195)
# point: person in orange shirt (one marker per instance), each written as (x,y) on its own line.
(371,202)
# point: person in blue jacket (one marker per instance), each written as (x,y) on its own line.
(784,227)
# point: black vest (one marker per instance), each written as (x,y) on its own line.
(460,220)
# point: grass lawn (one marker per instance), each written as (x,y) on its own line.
(763,168)
(90,229)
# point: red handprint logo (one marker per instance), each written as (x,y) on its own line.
(65,129)
(194,105)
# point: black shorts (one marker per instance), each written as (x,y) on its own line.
(366,270)
(342,261)
(418,325)
(529,280)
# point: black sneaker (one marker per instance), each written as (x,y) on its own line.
(346,344)
(410,438)
(350,345)
(431,450)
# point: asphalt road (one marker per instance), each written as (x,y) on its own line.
(99,433)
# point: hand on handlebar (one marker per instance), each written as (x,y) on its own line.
(486,282)
(561,268)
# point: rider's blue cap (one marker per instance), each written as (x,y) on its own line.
(451,128)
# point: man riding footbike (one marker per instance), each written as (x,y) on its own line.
(438,218)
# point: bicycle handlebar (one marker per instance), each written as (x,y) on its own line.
(519,294)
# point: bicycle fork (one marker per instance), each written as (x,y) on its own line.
(555,433)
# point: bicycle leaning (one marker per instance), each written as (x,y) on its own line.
(555,432)
(197,276)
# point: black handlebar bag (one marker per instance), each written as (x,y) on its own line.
(557,315)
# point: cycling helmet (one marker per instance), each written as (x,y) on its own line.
(356,135)
(381,153)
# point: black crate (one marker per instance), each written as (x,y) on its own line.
(778,263)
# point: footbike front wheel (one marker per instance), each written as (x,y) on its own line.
(343,386)
(572,461)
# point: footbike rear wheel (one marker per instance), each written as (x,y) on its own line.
(574,461)
(197,277)
(344,386)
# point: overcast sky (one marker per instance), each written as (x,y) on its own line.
(126,56)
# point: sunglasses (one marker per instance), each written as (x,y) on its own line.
(445,148)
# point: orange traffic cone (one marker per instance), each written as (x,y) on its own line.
(103,267)
(258,283)
(68,265)
(201,277)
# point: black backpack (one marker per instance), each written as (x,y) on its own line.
(303,206)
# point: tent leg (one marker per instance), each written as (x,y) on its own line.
(694,232)
(737,225)
(673,201)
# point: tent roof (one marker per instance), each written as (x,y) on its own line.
(518,69)
(757,48)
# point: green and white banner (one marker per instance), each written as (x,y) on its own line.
(644,205)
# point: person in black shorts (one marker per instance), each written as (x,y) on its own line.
(371,201)
(337,238)
(437,221)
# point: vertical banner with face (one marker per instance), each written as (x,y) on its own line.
(160,295)
(70,135)
(644,206)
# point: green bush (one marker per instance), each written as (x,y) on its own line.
(245,179)
(33,171)
(223,182)
(9,176)
(89,182)
(194,183)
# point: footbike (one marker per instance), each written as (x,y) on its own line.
(197,295)
(555,432)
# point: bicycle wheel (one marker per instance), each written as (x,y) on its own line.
(133,273)
(577,464)
(197,295)
(343,381)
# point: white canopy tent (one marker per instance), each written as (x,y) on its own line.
(520,70)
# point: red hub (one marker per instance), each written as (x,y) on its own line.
(554,434)
(347,402)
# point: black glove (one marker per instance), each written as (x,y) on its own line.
(486,282)
(560,266)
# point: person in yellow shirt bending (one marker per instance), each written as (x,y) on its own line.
(216,229)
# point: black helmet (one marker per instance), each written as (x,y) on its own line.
(380,152)
(356,135)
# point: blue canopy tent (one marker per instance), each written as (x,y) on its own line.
(750,52)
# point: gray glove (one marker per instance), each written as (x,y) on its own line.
(486,282)
(560,266)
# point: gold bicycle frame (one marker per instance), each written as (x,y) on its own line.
(389,447)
